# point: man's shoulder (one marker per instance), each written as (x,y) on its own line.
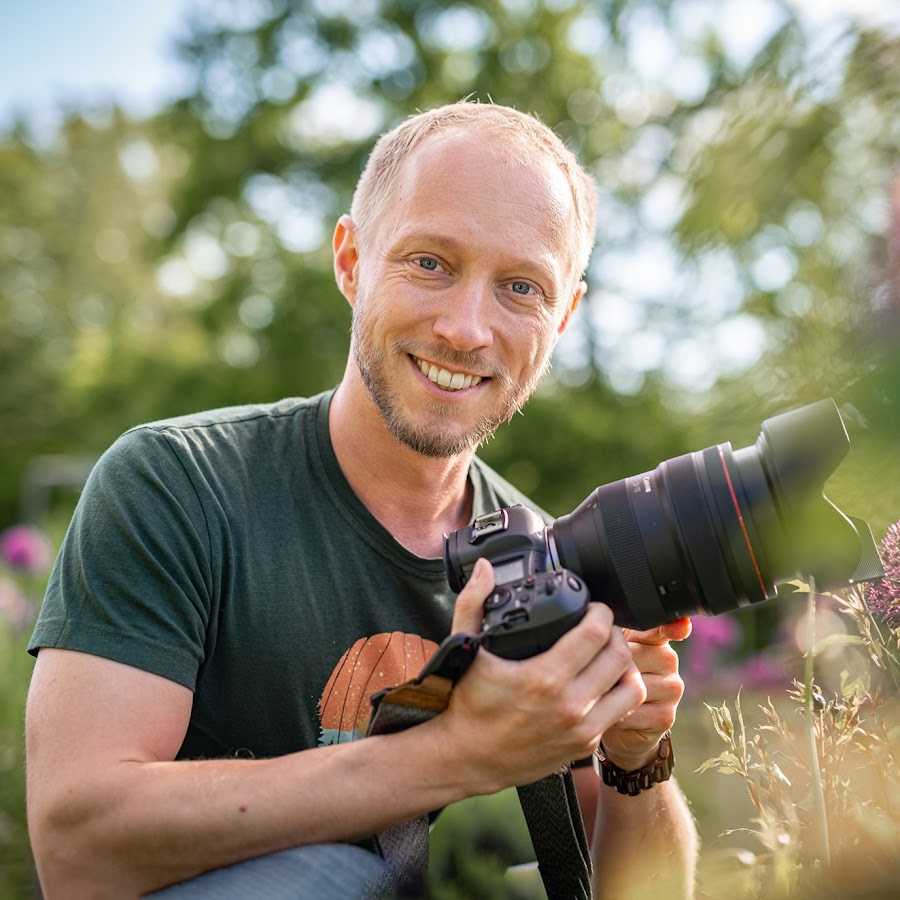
(251,437)
(229,417)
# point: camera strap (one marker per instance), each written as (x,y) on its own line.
(550,805)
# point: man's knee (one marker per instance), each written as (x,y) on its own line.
(315,872)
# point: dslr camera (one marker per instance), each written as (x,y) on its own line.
(706,532)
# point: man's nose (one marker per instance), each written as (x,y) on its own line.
(465,319)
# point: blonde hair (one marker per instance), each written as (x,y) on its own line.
(514,131)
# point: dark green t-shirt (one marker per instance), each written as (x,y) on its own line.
(227,552)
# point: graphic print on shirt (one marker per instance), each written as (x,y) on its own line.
(370,665)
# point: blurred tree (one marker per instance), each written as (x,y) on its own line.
(743,162)
(799,187)
(745,155)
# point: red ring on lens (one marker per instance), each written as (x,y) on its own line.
(737,509)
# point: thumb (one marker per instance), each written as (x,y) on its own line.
(469,610)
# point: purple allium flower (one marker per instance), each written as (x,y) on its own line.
(715,631)
(763,670)
(26,548)
(706,651)
(883,596)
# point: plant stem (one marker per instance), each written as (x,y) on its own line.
(821,815)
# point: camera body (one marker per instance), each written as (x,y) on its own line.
(706,532)
(527,616)
(530,607)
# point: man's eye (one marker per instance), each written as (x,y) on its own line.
(521,287)
(426,262)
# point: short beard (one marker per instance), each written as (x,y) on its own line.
(431,442)
(435,442)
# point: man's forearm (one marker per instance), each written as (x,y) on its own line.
(156,823)
(644,846)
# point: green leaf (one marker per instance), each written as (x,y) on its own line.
(855,685)
(727,763)
(799,587)
(838,640)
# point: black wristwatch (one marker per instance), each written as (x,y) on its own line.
(632,783)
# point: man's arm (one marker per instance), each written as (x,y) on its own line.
(645,846)
(111,814)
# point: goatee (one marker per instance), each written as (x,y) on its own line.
(431,439)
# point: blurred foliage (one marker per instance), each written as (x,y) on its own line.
(17,878)
(821,776)
(748,252)
(25,557)
(158,266)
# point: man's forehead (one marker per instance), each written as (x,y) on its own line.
(474,168)
(494,149)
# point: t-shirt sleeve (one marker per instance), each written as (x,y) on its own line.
(133,580)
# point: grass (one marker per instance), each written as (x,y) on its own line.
(17,879)
(821,768)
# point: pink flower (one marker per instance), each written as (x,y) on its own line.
(883,596)
(26,548)
(715,631)
(706,653)
(763,670)
(15,609)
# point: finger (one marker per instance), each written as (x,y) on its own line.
(579,646)
(672,631)
(679,630)
(612,665)
(663,691)
(645,723)
(630,739)
(469,609)
(622,701)
(654,659)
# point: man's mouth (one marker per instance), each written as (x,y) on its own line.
(443,378)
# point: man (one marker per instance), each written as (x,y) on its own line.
(235,585)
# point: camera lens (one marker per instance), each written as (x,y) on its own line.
(717,529)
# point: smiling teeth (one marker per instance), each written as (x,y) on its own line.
(449,381)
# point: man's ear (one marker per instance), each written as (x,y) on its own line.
(346,258)
(579,293)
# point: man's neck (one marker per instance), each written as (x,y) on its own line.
(415,497)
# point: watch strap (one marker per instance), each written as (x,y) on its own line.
(634,782)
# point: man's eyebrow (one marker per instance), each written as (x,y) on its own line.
(427,238)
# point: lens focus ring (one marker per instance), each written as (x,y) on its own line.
(628,555)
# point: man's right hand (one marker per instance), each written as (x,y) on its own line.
(515,721)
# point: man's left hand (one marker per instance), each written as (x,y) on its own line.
(633,742)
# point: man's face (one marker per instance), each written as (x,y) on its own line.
(462,289)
